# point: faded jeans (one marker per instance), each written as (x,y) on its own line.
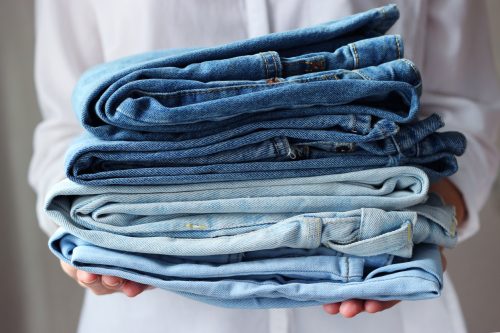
(365,213)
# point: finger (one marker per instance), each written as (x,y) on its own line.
(97,288)
(92,282)
(87,278)
(132,289)
(112,282)
(332,308)
(372,306)
(351,308)
(68,269)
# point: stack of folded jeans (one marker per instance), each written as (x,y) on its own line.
(286,170)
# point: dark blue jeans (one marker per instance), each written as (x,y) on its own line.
(222,114)
(107,95)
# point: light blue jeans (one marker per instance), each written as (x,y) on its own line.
(281,280)
(361,213)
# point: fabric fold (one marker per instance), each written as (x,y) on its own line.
(268,283)
(224,218)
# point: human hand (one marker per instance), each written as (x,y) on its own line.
(103,284)
(350,308)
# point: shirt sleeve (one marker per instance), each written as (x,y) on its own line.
(67,43)
(461,84)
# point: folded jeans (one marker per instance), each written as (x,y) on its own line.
(362,213)
(266,283)
(308,152)
(355,42)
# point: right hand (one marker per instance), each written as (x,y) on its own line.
(103,284)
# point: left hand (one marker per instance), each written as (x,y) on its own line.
(350,308)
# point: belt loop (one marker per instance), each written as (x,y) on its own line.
(272,66)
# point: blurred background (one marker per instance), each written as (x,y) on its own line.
(38,298)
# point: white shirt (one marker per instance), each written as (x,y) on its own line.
(447,39)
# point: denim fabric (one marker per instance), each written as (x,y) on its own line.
(352,213)
(165,101)
(107,96)
(219,101)
(286,281)
(284,105)
(206,142)
(303,153)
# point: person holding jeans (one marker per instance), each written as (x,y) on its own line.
(448,40)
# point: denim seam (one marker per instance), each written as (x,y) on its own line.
(265,64)
(235,226)
(211,90)
(421,181)
(398,46)
(410,232)
(327,77)
(352,240)
(412,65)
(396,145)
(126,269)
(348,269)
(319,231)
(319,228)
(231,227)
(382,27)
(236,87)
(364,76)
(415,70)
(380,236)
(187,227)
(131,270)
(361,225)
(402,275)
(275,62)
(291,270)
(352,46)
(242,234)
(261,227)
